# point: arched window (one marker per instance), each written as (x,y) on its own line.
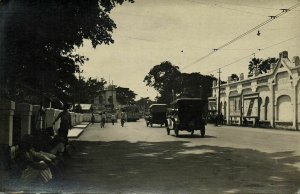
(284,109)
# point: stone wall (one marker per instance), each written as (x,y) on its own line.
(30,119)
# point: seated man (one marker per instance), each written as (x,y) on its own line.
(33,165)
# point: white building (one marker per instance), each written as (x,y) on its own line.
(271,99)
(107,99)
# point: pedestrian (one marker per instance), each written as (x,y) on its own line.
(93,118)
(216,120)
(113,118)
(102,119)
(221,119)
(65,124)
(123,118)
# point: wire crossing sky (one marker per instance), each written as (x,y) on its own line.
(252,54)
(271,18)
(183,32)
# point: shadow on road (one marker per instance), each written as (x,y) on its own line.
(172,167)
(193,136)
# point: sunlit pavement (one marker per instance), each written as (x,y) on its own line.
(140,159)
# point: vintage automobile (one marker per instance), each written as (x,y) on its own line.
(188,115)
(157,115)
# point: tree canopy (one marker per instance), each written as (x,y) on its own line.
(144,103)
(234,77)
(38,40)
(167,79)
(260,66)
(125,95)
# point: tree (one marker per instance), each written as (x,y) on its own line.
(234,77)
(260,66)
(165,78)
(265,65)
(253,66)
(144,103)
(39,39)
(94,88)
(170,82)
(125,95)
(162,75)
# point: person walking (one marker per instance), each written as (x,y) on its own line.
(65,123)
(113,118)
(93,118)
(123,118)
(102,119)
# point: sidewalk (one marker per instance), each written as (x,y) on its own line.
(77,130)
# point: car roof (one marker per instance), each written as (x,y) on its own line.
(187,99)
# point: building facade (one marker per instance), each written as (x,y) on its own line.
(107,99)
(271,99)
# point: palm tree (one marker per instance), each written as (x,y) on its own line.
(265,65)
(253,66)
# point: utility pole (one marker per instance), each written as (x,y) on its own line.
(219,111)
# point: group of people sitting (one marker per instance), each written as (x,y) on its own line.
(40,156)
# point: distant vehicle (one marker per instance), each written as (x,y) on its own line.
(158,115)
(188,115)
(132,112)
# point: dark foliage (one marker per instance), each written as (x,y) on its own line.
(170,82)
(125,95)
(38,40)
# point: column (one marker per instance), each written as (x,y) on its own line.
(49,117)
(295,103)
(81,118)
(72,118)
(6,131)
(36,121)
(6,121)
(77,118)
(228,105)
(273,106)
(24,110)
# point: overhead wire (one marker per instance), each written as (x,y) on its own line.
(216,5)
(232,4)
(240,59)
(244,34)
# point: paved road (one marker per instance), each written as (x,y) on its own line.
(140,159)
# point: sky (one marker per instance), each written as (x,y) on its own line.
(183,31)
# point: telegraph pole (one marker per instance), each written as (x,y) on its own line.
(219,111)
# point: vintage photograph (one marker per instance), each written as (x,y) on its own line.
(149,96)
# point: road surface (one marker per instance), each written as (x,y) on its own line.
(140,159)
